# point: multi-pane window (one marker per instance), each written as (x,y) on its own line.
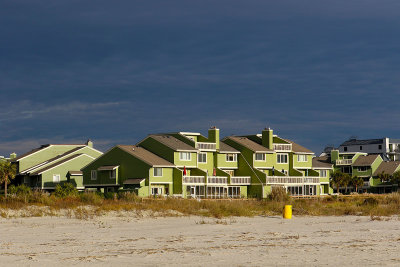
(302,158)
(282,158)
(93,175)
(362,168)
(185,156)
(202,157)
(260,156)
(113,174)
(56,178)
(156,191)
(231,157)
(323,173)
(158,172)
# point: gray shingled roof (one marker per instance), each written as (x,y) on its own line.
(388,167)
(224,148)
(365,160)
(321,162)
(145,155)
(298,148)
(354,142)
(253,146)
(172,142)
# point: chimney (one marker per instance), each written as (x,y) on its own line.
(213,136)
(334,156)
(13,155)
(268,138)
(89,143)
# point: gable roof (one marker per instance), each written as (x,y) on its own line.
(321,162)
(246,142)
(353,142)
(298,148)
(365,160)
(30,152)
(58,163)
(172,142)
(224,148)
(145,155)
(388,167)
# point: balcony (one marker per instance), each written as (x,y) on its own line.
(240,180)
(282,147)
(217,180)
(292,180)
(344,161)
(206,146)
(193,179)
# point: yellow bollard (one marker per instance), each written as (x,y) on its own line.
(287,212)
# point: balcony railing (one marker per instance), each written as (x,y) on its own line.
(240,180)
(217,180)
(344,161)
(193,179)
(206,146)
(292,180)
(282,147)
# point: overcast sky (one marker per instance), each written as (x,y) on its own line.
(316,71)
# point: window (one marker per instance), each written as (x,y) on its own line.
(202,158)
(302,158)
(345,148)
(362,168)
(380,147)
(185,156)
(322,173)
(260,157)
(113,174)
(93,175)
(56,178)
(282,158)
(157,172)
(232,157)
(360,147)
(26,179)
(156,191)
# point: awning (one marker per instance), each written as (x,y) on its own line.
(107,168)
(75,173)
(135,181)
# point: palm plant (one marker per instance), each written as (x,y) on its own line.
(356,182)
(8,172)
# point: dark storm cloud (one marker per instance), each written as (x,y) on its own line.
(316,71)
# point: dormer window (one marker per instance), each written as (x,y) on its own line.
(260,157)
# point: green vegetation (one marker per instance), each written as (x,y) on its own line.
(7,173)
(87,205)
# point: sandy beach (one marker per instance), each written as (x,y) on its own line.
(124,240)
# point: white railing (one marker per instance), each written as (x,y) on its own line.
(240,180)
(282,147)
(193,179)
(206,146)
(292,180)
(344,161)
(217,180)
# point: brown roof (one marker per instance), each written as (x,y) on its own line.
(321,162)
(298,148)
(135,181)
(56,164)
(365,160)
(388,167)
(227,149)
(145,155)
(253,146)
(75,173)
(107,168)
(172,142)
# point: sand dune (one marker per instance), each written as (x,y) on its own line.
(193,241)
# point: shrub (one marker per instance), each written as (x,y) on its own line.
(92,198)
(128,196)
(65,190)
(278,194)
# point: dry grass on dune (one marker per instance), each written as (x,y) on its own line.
(87,205)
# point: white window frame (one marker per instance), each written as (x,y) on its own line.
(159,191)
(302,158)
(263,157)
(323,173)
(155,174)
(234,157)
(280,156)
(362,168)
(58,178)
(199,156)
(188,156)
(93,175)
(113,174)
